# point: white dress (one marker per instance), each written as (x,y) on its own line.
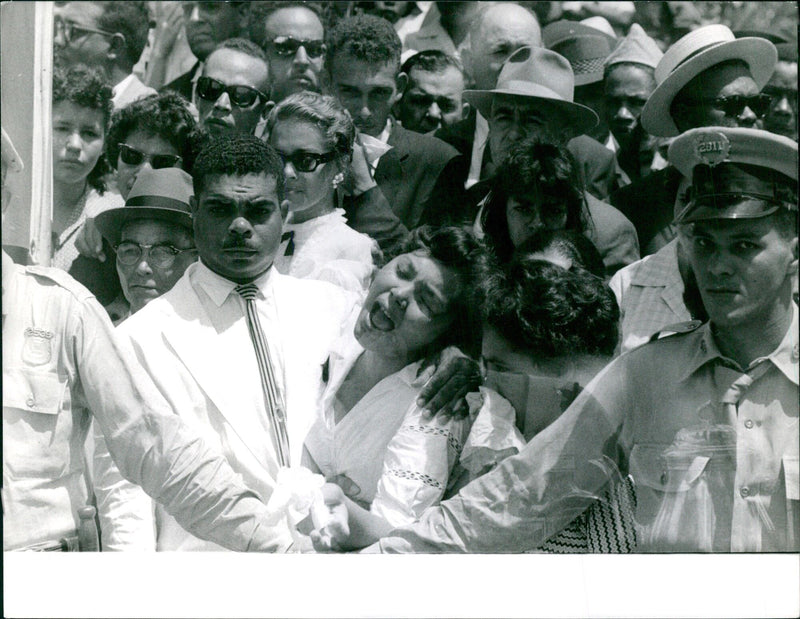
(327,249)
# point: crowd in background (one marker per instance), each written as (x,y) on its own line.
(412,277)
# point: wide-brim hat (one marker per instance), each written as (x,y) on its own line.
(757,168)
(692,54)
(585,48)
(163,195)
(540,74)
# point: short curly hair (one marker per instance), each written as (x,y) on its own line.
(538,168)
(568,243)
(236,155)
(260,12)
(367,38)
(550,311)
(164,115)
(86,87)
(131,20)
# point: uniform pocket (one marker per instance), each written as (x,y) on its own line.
(37,426)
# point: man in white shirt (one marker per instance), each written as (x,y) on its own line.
(106,35)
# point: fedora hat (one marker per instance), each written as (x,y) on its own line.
(541,74)
(162,194)
(692,54)
(585,48)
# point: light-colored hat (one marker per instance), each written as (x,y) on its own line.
(598,22)
(637,47)
(541,74)
(162,194)
(10,155)
(756,168)
(585,48)
(692,54)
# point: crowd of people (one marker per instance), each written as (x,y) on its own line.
(411,277)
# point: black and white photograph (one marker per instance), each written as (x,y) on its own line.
(293,286)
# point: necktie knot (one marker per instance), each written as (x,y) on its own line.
(248,292)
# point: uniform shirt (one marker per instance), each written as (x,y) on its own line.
(704,481)
(61,360)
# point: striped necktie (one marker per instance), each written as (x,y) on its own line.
(269,385)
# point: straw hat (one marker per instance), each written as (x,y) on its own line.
(541,74)
(162,194)
(585,47)
(692,54)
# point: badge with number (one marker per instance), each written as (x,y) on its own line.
(712,147)
(37,348)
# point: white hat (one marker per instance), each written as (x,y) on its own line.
(692,54)
(637,47)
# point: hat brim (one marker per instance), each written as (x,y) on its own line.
(111,222)
(759,54)
(582,118)
(745,209)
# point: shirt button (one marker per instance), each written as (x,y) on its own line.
(748,424)
(796,352)
(744,491)
(30,402)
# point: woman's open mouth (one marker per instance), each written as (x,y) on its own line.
(379,319)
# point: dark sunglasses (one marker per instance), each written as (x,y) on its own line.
(241,96)
(307,162)
(733,106)
(288,46)
(132,156)
(161,255)
(69,30)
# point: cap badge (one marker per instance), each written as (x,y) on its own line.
(712,147)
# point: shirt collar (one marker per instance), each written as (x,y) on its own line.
(784,357)
(123,84)
(219,288)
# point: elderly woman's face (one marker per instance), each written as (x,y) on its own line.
(78,139)
(409,305)
(528,213)
(145,143)
(310,193)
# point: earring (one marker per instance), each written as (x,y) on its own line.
(337,180)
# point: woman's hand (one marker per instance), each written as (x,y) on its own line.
(89,241)
(169,21)
(331,527)
(455,376)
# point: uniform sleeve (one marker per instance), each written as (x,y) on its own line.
(126,513)
(530,497)
(154,449)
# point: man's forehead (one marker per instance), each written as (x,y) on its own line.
(295,21)
(141,229)
(785,75)
(261,184)
(756,227)
(449,80)
(521,104)
(81,13)
(348,70)
(231,66)
(509,23)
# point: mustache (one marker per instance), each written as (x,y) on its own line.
(236,243)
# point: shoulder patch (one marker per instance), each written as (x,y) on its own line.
(678,328)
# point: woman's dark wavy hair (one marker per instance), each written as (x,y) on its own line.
(165,115)
(533,168)
(87,88)
(569,243)
(457,248)
(551,311)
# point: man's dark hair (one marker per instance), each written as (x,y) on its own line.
(86,87)
(549,311)
(432,61)
(534,168)
(245,46)
(367,38)
(570,244)
(260,12)
(132,21)
(236,155)
(456,248)
(164,115)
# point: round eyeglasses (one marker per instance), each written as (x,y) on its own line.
(160,255)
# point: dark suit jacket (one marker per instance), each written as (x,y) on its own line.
(421,178)
(183,83)
(370,214)
(598,165)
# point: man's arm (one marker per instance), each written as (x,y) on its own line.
(153,448)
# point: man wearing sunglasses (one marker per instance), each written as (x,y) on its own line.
(293,38)
(109,36)
(231,93)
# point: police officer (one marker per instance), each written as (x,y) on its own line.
(62,365)
(705,421)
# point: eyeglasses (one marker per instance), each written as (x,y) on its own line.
(307,162)
(241,96)
(132,156)
(68,30)
(733,106)
(288,46)
(160,255)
